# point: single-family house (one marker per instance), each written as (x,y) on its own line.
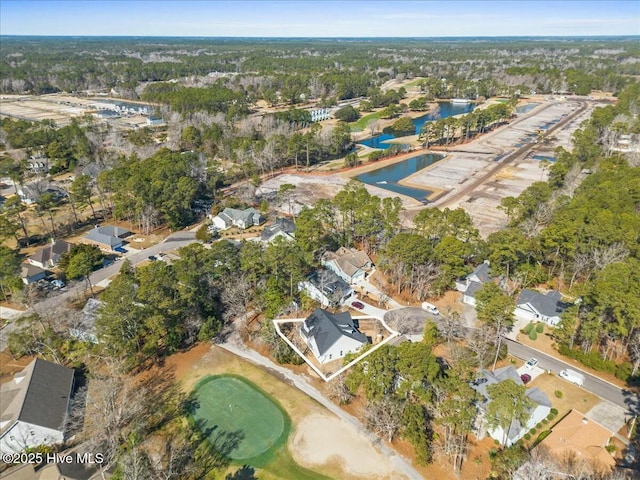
(331,336)
(30,193)
(32,274)
(34,406)
(536,307)
(106,237)
(85,328)
(232,217)
(49,256)
(38,164)
(281,228)
(327,288)
(515,431)
(350,264)
(579,436)
(470,284)
(154,120)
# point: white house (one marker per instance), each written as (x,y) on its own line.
(232,217)
(49,256)
(331,336)
(320,114)
(470,284)
(31,274)
(327,288)
(350,264)
(34,406)
(536,307)
(281,228)
(515,431)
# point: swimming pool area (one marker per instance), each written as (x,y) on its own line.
(389,176)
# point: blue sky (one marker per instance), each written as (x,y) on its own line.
(299,18)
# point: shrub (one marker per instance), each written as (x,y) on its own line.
(496,442)
(593,360)
(551,416)
(539,426)
(533,431)
(527,436)
(527,329)
(558,394)
(545,421)
(554,411)
(543,435)
(610,448)
(539,328)
(533,335)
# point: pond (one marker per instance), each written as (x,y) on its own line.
(389,176)
(446,109)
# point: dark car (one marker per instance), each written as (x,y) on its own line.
(357,305)
(152,258)
(525,377)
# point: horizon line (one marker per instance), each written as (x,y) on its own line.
(315,37)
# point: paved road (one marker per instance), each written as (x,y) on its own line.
(603,389)
(172,242)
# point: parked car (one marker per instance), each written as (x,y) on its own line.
(120,250)
(572,376)
(430,307)
(525,377)
(57,283)
(357,305)
(152,258)
(532,362)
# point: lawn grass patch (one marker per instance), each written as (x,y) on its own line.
(361,124)
(240,419)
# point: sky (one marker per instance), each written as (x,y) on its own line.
(300,18)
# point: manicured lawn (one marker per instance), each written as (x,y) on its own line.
(361,124)
(240,420)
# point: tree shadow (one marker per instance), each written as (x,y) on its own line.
(244,473)
(631,459)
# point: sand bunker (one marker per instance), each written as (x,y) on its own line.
(320,439)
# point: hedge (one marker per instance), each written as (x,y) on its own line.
(554,411)
(593,360)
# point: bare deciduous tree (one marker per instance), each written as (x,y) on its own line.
(383,417)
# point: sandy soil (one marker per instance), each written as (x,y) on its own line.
(319,439)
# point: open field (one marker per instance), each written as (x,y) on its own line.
(357,454)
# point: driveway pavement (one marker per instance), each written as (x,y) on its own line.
(609,415)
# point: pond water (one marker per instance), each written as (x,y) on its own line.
(389,176)
(526,108)
(446,109)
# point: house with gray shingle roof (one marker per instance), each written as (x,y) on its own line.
(282,227)
(470,284)
(331,336)
(536,307)
(49,256)
(34,406)
(232,217)
(107,237)
(516,430)
(31,274)
(327,288)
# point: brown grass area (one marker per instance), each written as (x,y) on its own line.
(10,365)
(573,397)
(545,343)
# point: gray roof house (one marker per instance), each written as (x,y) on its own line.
(49,256)
(327,288)
(516,430)
(470,284)
(30,193)
(331,336)
(34,406)
(31,274)
(282,227)
(232,217)
(535,306)
(107,237)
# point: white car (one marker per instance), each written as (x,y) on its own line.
(57,283)
(572,376)
(532,362)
